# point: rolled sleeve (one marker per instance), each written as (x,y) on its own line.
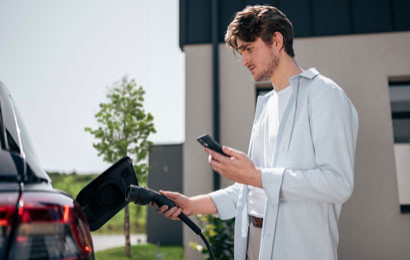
(271,183)
(226,201)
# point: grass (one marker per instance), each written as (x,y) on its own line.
(73,183)
(142,252)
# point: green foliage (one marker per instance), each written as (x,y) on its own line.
(124,126)
(220,234)
(73,183)
(143,252)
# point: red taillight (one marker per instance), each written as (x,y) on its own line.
(6,215)
(48,229)
(8,202)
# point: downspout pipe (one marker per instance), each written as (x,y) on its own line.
(215,80)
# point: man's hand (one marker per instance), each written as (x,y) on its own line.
(238,167)
(201,204)
(182,204)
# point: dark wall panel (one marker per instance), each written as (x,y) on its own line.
(331,17)
(371,16)
(227,10)
(298,11)
(265,2)
(198,26)
(309,17)
(401,13)
(182,23)
(166,174)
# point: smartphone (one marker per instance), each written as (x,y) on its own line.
(208,142)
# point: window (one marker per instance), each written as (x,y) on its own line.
(400,108)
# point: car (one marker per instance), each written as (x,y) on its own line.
(36,220)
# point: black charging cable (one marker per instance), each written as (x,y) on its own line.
(143,196)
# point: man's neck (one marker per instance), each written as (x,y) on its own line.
(286,69)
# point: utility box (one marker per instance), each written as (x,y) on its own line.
(166,174)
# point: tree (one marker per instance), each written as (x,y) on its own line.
(124,128)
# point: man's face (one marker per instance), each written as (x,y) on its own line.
(259,58)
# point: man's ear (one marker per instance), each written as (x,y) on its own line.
(277,40)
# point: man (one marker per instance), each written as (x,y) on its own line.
(298,172)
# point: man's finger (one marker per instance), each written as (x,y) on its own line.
(210,152)
(233,152)
(162,209)
(171,195)
(170,212)
(176,214)
(217,156)
(216,165)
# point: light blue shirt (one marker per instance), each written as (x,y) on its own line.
(311,177)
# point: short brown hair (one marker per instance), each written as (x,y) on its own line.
(260,21)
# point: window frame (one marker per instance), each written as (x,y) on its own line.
(399,115)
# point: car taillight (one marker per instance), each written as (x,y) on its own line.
(50,227)
(8,203)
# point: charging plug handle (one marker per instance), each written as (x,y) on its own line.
(143,196)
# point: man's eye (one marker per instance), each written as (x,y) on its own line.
(249,49)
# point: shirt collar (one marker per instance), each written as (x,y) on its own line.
(309,74)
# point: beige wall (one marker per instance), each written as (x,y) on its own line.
(371,226)
(197,176)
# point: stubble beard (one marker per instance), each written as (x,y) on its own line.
(270,69)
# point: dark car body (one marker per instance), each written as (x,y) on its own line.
(36,221)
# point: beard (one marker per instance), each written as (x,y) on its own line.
(267,73)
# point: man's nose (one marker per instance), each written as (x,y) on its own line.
(245,60)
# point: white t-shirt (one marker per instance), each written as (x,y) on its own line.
(264,144)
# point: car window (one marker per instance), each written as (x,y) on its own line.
(34,170)
(2,141)
(8,166)
(12,143)
(9,122)
(25,139)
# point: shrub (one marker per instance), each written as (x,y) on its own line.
(220,234)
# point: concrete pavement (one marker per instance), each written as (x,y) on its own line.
(102,242)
